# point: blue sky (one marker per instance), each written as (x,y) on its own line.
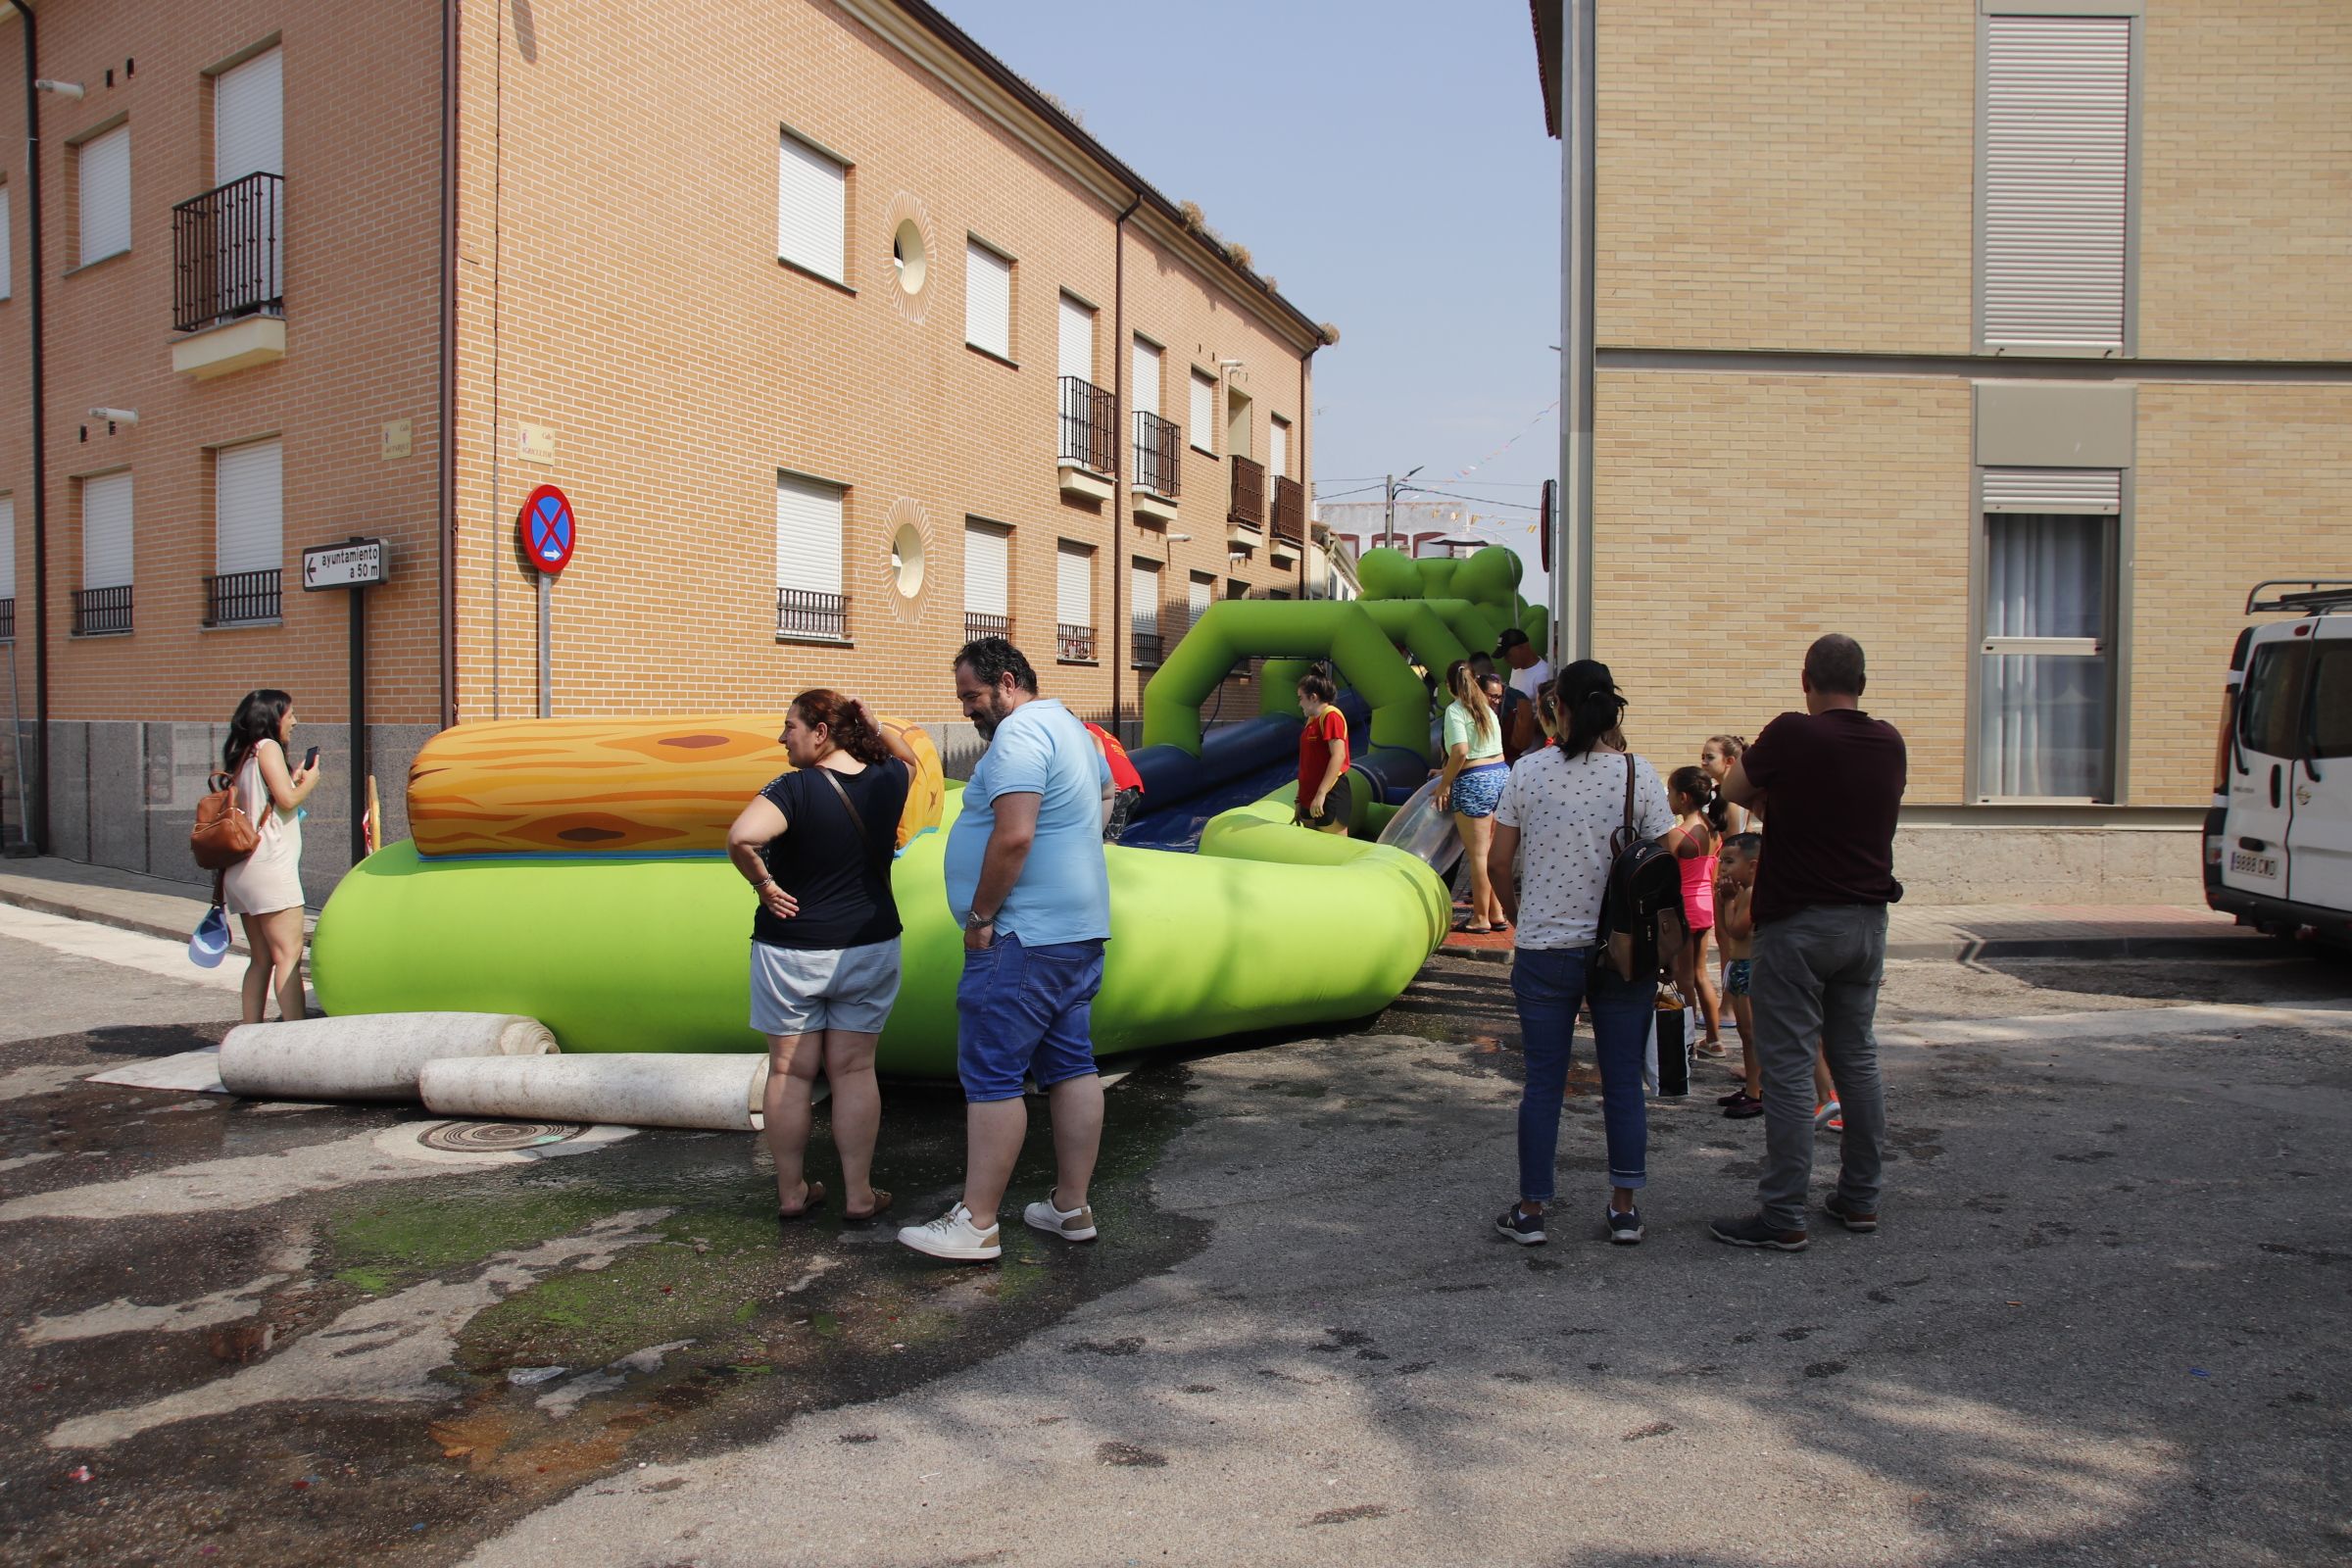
(1386,160)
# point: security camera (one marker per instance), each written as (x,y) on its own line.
(115,416)
(64,89)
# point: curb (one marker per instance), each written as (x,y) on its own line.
(125,922)
(1981,949)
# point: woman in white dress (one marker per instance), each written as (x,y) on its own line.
(265,888)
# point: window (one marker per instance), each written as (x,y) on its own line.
(248,118)
(8,261)
(1073,601)
(105,195)
(2273,694)
(1204,595)
(987,579)
(813,199)
(249,550)
(1143,589)
(987,300)
(2330,726)
(809,602)
(1278,448)
(1076,358)
(8,552)
(106,531)
(1145,394)
(2053,219)
(2045,686)
(1204,413)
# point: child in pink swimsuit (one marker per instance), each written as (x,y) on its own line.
(1697,841)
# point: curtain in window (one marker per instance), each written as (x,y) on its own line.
(2043,720)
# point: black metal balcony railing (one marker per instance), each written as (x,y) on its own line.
(977,626)
(1075,643)
(1289,512)
(802,613)
(1157,444)
(101,609)
(1090,423)
(8,621)
(1145,642)
(1248,493)
(228,252)
(238,596)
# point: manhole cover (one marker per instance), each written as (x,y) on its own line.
(496,1137)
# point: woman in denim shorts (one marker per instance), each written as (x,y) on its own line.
(816,847)
(1472,782)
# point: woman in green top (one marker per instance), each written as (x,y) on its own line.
(1471,785)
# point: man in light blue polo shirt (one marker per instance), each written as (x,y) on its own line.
(1026,877)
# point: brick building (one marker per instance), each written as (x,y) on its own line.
(842,339)
(2015,339)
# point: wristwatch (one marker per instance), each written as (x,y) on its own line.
(975,920)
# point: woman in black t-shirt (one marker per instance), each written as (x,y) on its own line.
(816,845)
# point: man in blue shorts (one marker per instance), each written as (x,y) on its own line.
(1025,876)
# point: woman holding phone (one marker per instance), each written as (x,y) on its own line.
(264,889)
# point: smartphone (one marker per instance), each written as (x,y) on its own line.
(310,761)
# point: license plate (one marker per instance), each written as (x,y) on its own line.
(2264,866)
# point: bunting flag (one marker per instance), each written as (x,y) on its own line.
(1549,409)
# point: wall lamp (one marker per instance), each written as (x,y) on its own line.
(64,89)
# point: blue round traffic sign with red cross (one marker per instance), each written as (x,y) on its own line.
(547,529)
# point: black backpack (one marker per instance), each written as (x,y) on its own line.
(1641,922)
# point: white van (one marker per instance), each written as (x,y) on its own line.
(2279,838)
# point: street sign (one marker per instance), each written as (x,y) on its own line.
(354,564)
(547,529)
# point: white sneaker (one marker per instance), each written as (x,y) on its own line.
(952,1236)
(1070,1224)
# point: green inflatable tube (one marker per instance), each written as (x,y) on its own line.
(1233,629)
(1266,927)
(1420,629)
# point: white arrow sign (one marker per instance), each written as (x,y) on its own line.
(360,564)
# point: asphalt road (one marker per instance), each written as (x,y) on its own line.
(2103,1321)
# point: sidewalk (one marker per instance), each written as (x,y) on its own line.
(154,904)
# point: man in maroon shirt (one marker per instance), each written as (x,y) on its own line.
(1830,782)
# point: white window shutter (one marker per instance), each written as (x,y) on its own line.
(2095,490)
(808,523)
(1204,412)
(987,569)
(8,547)
(1074,585)
(1077,356)
(1278,450)
(8,250)
(812,209)
(2057,173)
(1144,396)
(248,118)
(1143,594)
(248,508)
(105,196)
(987,301)
(1205,594)
(106,531)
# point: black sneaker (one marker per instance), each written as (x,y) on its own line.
(1525,1228)
(1844,1213)
(1752,1230)
(1625,1229)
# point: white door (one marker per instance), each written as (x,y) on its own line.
(1077,340)
(2269,705)
(987,569)
(2319,835)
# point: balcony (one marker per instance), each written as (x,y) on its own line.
(241,599)
(8,621)
(1158,473)
(1073,645)
(804,616)
(1145,643)
(228,277)
(102,612)
(1090,423)
(1290,518)
(1246,514)
(977,625)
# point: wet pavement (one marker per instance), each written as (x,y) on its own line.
(267,1334)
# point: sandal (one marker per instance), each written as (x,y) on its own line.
(881,1203)
(809,1205)
(1743,1107)
(1475,930)
(1711,1049)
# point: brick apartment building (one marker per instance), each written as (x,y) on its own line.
(2013,338)
(842,341)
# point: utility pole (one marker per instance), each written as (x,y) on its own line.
(1388,530)
(1572,554)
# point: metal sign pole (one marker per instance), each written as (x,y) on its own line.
(547,602)
(358,724)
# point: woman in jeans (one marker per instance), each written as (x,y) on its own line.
(265,888)
(816,845)
(1561,806)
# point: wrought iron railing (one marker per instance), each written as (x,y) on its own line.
(1090,423)
(1074,643)
(977,626)
(1289,512)
(97,610)
(1146,643)
(228,252)
(1156,446)
(1248,505)
(802,613)
(237,597)
(8,621)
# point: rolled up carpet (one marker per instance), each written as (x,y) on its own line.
(633,1088)
(369,1055)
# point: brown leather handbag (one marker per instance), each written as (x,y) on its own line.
(224,835)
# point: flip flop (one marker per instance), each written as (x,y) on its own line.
(881,1203)
(809,1205)
(1475,930)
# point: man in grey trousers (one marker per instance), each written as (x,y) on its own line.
(1829,782)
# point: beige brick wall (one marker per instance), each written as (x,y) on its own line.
(2245,206)
(2234,484)
(362,158)
(1739,517)
(621,286)
(1794,176)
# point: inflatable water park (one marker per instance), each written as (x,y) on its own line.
(574,871)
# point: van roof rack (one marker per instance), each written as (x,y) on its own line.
(2310,596)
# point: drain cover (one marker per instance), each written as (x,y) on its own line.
(496,1137)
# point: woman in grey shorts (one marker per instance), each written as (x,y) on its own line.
(815,845)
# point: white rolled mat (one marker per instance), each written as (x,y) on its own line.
(369,1055)
(635,1088)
